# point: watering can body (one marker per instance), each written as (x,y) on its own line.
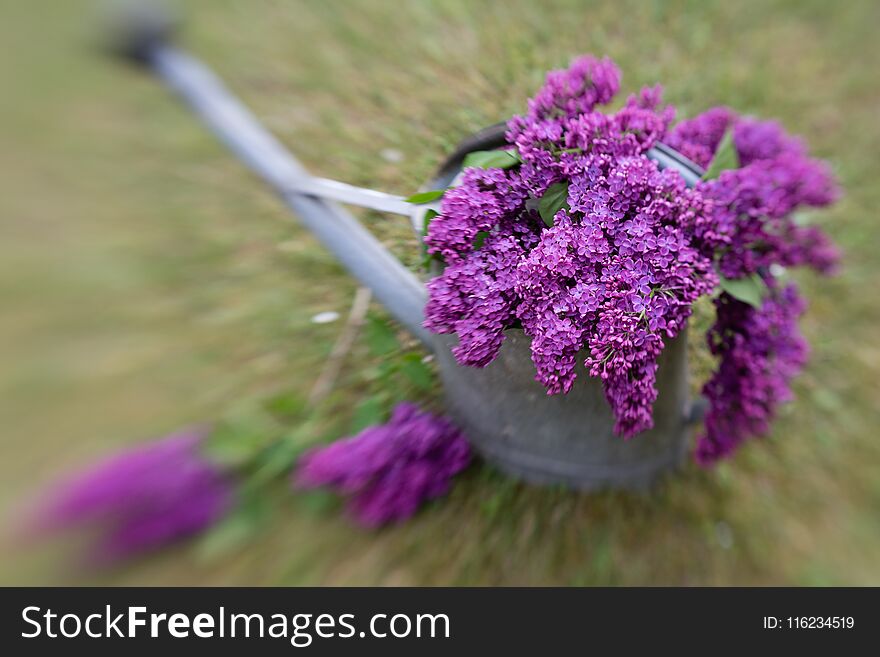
(564,439)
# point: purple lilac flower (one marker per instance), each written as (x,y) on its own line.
(141,498)
(753,228)
(752,224)
(576,90)
(760,351)
(698,138)
(615,273)
(389,470)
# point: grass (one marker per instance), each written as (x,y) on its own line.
(148,281)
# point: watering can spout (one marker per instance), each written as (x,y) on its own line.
(143,34)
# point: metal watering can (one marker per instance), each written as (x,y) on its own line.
(507,415)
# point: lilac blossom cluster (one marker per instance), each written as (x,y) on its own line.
(753,221)
(754,230)
(140,499)
(388,471)
(616,272)
(612,274)
(760,350)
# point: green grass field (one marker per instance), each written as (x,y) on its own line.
(147,281)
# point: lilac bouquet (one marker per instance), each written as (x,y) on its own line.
(575,236)
(388,471)
(141,498)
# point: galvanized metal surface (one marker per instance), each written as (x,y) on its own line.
(564,439)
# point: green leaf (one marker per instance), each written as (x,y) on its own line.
(319,502)
(381,338)
(554,199)
(225,537)
(236,530)
(278,459)
(750,290)
(426,260)
(285,406)
(417,371)
(426,257)
(725,158)
(429,217)
(425,197)
(241,437)
(369,412)
(479,239)
(492,159)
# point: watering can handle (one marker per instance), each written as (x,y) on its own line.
(142,34)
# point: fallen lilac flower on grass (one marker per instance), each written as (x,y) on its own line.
(140,499)
(389,470)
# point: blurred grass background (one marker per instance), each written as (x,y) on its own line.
(147,281)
